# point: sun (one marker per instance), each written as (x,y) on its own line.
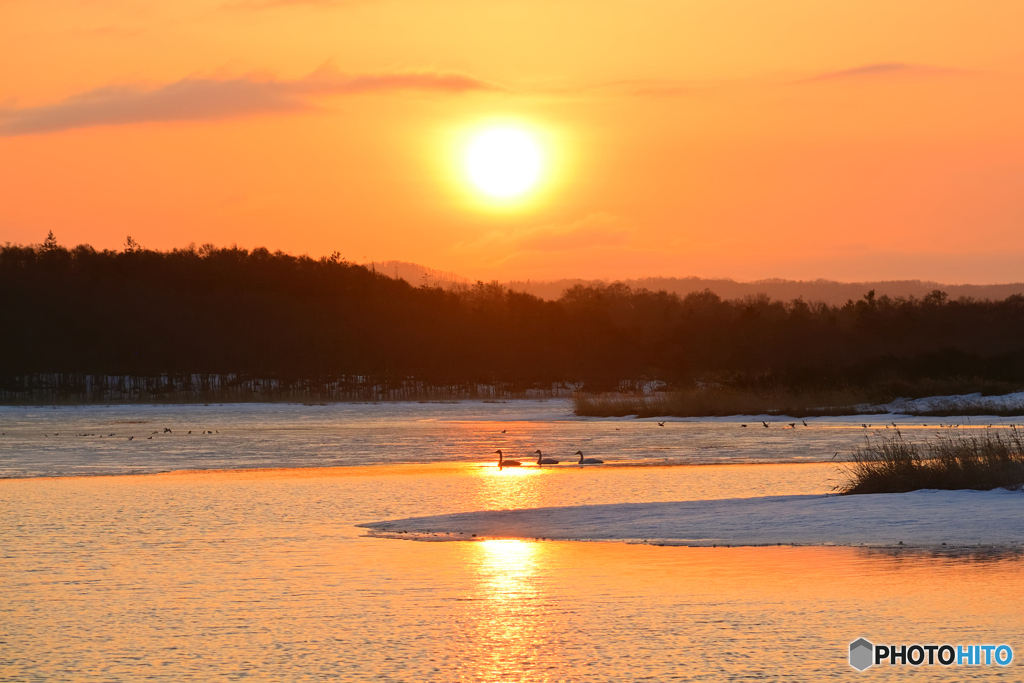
(504,162)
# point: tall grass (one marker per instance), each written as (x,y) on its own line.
(995,459)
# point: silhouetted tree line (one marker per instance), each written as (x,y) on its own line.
(267,314)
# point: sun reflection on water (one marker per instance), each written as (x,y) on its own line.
(508,487)
(506,556)
(509,611)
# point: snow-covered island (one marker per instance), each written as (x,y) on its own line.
(920,519)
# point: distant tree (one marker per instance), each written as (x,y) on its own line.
(50,243)
(131,246)
(936,298)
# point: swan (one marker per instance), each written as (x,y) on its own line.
(541,460)
(588,461)
(506,463)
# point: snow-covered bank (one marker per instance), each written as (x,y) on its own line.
(917,519)
(959,404)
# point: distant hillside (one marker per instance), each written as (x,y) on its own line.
(828,291)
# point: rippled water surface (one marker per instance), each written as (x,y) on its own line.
(260,575)
(123,439)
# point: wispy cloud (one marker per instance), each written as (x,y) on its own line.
(881,70)
(196,99)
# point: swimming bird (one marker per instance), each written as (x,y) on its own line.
(130,438)
(661,424)
(743,425)
(792,425)
(765,424)
(805,422)
(541,460)
(502,462)
(502,431)
(166,430)
(587,461)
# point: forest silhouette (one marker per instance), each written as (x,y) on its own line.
(263,314)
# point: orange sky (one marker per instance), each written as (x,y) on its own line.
(740,138)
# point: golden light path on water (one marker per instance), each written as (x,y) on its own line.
(507,579)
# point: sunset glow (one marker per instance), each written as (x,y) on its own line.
(844,140)
(511,341)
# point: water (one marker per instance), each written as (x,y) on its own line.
(261,575)
(95,439)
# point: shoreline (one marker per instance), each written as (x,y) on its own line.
(1012,547)
(956,405)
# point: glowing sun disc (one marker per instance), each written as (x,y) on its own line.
(504,162)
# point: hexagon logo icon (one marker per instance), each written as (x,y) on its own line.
(860,654)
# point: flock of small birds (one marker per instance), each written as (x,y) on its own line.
(767,425)
(166,430)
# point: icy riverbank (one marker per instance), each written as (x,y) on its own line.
(956,405)
(916,519)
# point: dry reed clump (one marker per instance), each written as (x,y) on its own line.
(721,400)
(894,465)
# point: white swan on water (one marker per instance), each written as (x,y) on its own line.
(541,460)
(506,463)
(588,461)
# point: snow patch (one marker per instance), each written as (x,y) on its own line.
(925,518)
